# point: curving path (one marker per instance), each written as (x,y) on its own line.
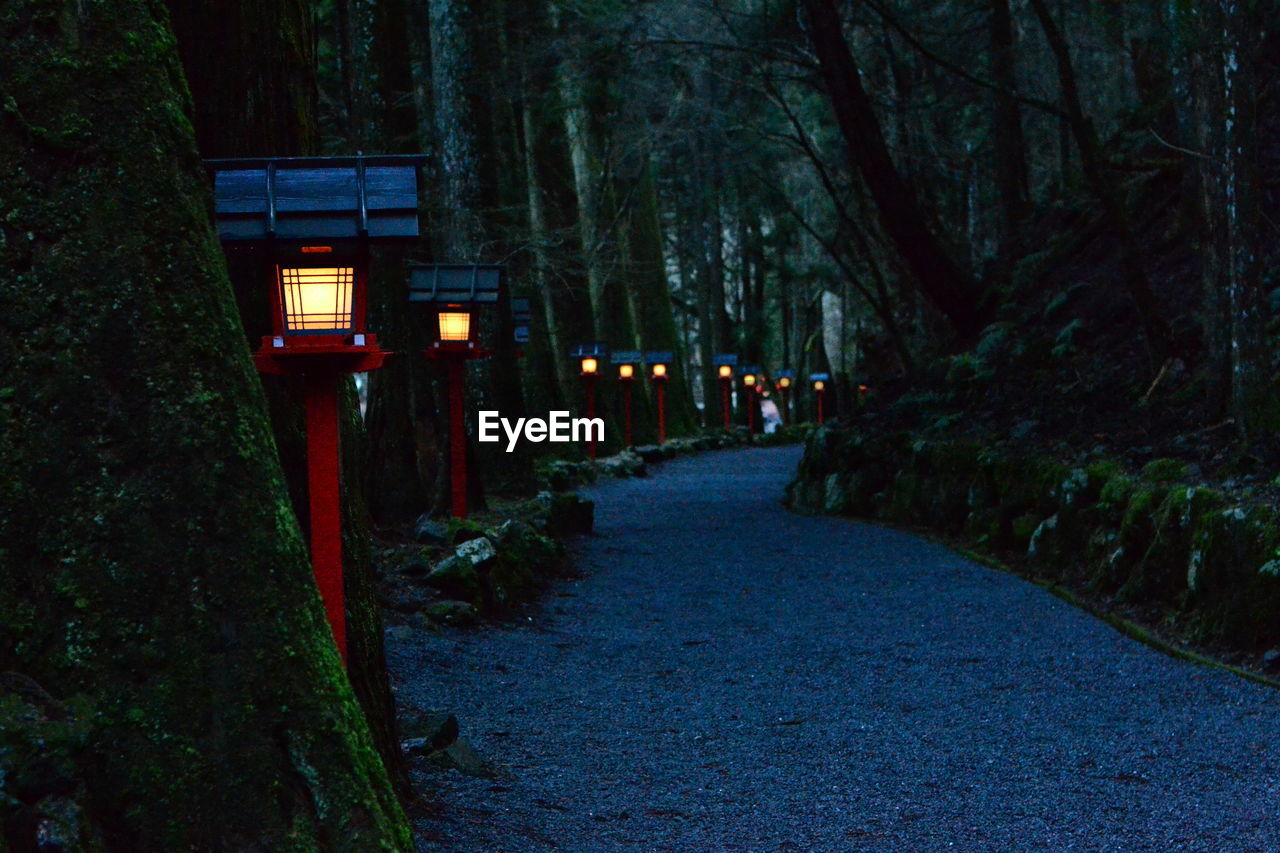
(731,677)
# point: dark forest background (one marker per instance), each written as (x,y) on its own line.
(1036,221)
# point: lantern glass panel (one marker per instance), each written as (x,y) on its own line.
(590,365)
(819,385)
(749,379)
(659,370)
(317,300)
(784,382)
(626,371)
(726,372)
(455,324)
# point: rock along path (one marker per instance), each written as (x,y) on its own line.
(727,676)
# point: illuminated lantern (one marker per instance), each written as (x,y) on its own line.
(314,219)
(658,362)
(454,293)
(725,363)
(820,381)
(588,357)
(751,378)
(626,361)
(785,380)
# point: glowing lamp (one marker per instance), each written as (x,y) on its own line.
(313,220)
(590,366)
(749,380)
(784,382)
(454,323)
(659,371)
(726,371)
(317,300)
(819,385)
(626,371)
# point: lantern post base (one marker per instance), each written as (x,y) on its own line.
(456,354)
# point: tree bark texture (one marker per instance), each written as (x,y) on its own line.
(153,575)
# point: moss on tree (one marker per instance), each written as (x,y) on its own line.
(152,567)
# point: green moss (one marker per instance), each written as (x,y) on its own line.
(1166,470)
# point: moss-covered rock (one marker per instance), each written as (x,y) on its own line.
(1212,564)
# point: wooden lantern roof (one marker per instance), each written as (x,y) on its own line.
(591,350)
(308,199)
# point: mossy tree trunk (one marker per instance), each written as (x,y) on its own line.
(152,569)
(267,49)
(464,39)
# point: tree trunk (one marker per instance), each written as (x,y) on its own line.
(1008,146)
(1103,182)
(1254,403)
(153,574)
(951,290)
(275,65)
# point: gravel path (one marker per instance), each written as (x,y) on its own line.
(730,677)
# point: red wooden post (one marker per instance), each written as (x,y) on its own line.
(821,393)
(590,381)
(726,401)
(457,436)
(626,410)
(323,494)
(751,410)
(661,391)
(786,412)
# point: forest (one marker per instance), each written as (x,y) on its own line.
(1013,258)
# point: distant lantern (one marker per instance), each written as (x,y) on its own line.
(725,363)
(752,377)
(588,357)
(454,293)
(786,377)
(313,220)
(658,363)
(626,361)
(820,381)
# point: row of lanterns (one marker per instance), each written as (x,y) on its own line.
(589,358)
(317,217)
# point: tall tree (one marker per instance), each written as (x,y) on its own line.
(275,66)
(1102,180)
(153,577)
(949,288)
(1008,149)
